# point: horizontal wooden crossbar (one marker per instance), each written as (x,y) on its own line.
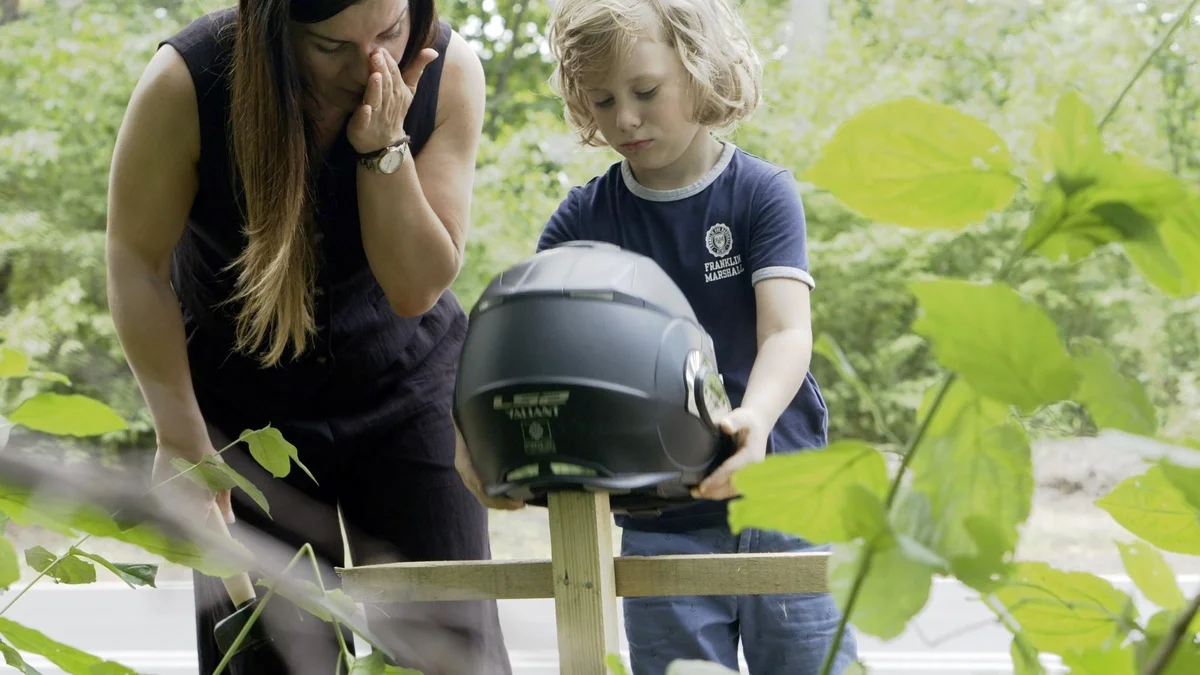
(732,574)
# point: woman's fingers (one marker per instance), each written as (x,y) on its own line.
(386,86)
(374,97)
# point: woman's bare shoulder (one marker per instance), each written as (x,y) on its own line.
(152,179)
(164,104)
(462,82)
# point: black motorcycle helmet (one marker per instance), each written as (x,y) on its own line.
(585,368)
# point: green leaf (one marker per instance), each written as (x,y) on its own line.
(825,345)
(895,589)
(13,363)
(374,664)
(1185,658)
(917,164)
(70,659)
(152,541)
(68,415)
(1025,658)
(863,514)
(804,493)
(989,561)
(5,429)
(1153,576)
(48,376)
(308,596)
(1152,508)
(1003,345)
(215,475)
(1069,149)
(1113,400)
(1150,212)
(1185,479)
(10,563)
(13,658)
(1149,253)
(1059,610)
(110,668)
(911,516)
(976,470)
(961,405)
(1048,215)
(1105,659)
(615,665)
(70,519)
(69,570)
(1076,147)
(133,574)
(206,473)
(1192,443)
(273,452)
(249,488)
(1156,194)
(1183,243)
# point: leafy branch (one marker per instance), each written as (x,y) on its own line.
(1162,43)
(59,414)
(964,483)
(1032,240)
(73,550)
(1162,656)
(869,551)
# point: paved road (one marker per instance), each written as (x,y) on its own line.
(150,630)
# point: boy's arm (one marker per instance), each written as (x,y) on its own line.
(778,262)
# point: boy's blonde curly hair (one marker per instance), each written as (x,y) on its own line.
(588,36)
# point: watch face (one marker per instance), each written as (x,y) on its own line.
(391,161)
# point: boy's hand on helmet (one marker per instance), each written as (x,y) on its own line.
(749,432)
(470,478)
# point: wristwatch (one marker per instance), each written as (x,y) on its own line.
(386,160)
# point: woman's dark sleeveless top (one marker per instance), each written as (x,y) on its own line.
(362,349)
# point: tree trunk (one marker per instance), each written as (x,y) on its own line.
(499,94)
(9,10)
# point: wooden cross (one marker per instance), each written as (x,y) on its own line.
(585,579)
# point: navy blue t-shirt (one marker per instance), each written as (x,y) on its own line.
(741,223)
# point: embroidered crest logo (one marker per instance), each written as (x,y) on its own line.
(719,240)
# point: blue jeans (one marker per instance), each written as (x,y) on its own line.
(780,633)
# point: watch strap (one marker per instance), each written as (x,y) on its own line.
(370,160)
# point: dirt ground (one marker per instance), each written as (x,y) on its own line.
(1065,527)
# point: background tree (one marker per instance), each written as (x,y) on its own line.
(67,68)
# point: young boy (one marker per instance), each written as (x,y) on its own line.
(654,79)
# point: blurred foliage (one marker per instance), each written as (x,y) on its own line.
(67,69)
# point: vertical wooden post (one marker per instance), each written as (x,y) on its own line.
(585,590)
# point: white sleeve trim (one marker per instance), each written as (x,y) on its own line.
(784,272)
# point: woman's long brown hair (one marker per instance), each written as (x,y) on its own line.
(271,140)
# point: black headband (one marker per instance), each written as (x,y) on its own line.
(313,11)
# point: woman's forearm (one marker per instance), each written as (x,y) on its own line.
(149,325)
(412,253)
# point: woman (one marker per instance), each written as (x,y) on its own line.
(289,199)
